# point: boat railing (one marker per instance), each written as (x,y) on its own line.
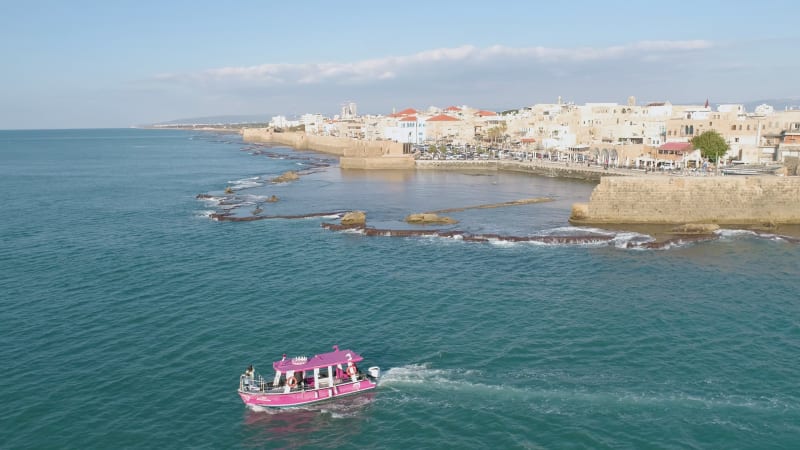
(259,384)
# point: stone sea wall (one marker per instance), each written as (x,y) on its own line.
(574,171)
(731,200)
(353,153)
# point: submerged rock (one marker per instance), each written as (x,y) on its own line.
(272,199)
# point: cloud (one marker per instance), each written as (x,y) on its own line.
(429,62)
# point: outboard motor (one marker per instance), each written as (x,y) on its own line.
(374,372)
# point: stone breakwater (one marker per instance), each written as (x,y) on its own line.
(352,153)
(731,200)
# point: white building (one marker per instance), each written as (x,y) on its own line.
(282,122)
(314,123)
(408,129)
(349,111)
(764,110)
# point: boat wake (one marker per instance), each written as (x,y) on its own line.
(416,382)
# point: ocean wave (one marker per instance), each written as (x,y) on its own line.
(630,239)
(731,233)
(503,243)
(205,213)
(352,231)
(575,231)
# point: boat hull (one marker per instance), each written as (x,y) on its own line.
(305,397)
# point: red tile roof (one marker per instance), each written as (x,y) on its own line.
(528,140)
(485,113)
(677,146)
(409,119)
(405,112)
(452,108)
(442,118)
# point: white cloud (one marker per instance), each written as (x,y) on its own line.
(449,59)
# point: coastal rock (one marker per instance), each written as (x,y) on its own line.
(286,177)
(354,219)
(766,226)
(580,211)
(272,199)
(429,219)
(696,228)
(204,196)
(228,190)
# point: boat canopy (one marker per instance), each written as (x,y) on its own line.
(324,360)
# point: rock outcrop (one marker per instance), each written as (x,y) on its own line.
(694,228)
(286,177)
(354,219)
(580,211)
(429,219)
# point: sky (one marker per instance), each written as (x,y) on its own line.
(99,64)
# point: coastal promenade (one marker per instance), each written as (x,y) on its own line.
(535,167)
(375,155)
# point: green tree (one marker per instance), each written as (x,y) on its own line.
(711,144)
(496,133)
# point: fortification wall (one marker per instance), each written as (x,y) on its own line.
(433,164)
(732,200)
(575,171)
(353,153)
(376,163)
(543,169)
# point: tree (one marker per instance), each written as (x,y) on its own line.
(711,144)
(496,133)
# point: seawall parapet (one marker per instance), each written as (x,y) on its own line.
(353,153)
(729,200)
(547,169)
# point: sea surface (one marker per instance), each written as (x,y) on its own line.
(127,313)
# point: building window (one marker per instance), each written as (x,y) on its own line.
(733,127)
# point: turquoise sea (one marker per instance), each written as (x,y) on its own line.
(127,313)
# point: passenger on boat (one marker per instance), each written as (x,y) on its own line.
(352,370)
(249,372)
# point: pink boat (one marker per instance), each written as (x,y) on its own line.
(302,380)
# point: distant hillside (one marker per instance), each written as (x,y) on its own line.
(779,104)
(217,120)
